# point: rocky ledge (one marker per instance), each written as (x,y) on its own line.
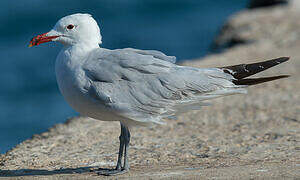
(249,136)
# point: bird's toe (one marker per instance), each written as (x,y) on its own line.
(110,172)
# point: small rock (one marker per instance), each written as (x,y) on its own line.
(202,155)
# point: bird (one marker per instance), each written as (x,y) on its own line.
(135,87)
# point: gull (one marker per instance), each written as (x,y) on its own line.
(132,86)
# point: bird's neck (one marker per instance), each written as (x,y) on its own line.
(79,51)
(81,48)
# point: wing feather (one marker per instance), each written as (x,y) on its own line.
(154,53)
(145,88)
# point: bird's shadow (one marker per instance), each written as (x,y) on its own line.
(43,172)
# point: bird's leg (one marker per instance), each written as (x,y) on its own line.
(119,169)
(121,149)
(127,140)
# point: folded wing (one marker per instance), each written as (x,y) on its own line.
(146,88)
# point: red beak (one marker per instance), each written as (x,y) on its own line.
(39,39)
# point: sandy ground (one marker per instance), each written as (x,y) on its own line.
(237,137)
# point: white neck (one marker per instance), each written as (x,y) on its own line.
(79,50)
(82,47)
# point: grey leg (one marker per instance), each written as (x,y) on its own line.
(127,140)
(121,149)
(124,141)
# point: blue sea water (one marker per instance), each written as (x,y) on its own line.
(30,101)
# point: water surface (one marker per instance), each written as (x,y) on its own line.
(29,98)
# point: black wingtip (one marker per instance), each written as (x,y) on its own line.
(244,70)
(253,81)
(282,59)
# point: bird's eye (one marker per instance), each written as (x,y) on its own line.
(70,26)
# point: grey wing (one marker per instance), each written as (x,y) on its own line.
(154,53)
(147,89)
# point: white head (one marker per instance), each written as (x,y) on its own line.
(71,30)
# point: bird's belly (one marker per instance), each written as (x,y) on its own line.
(72,86)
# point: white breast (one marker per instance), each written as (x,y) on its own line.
(73,84)
(70,79)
